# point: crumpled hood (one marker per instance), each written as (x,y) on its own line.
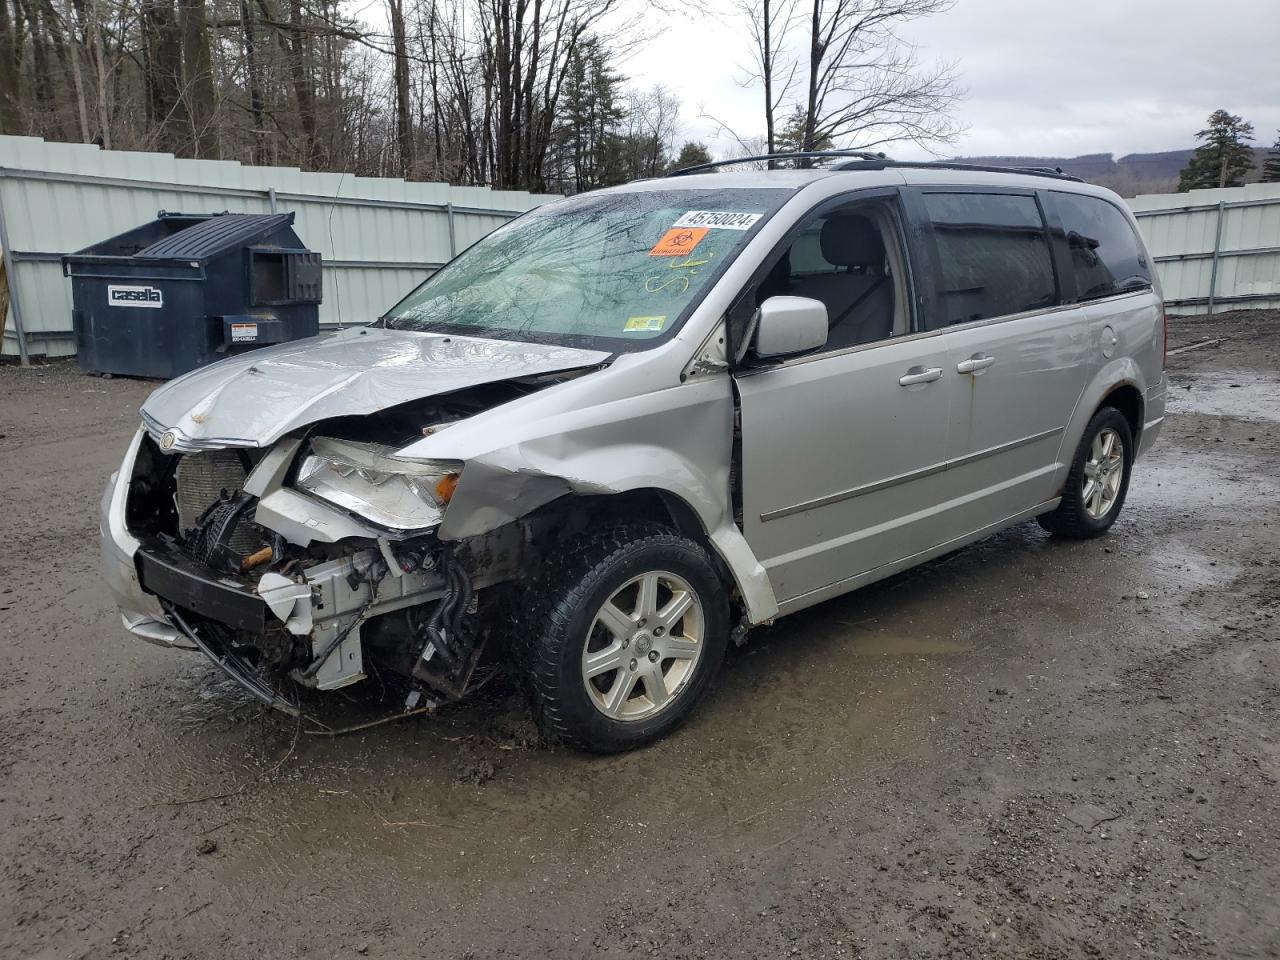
(256,398)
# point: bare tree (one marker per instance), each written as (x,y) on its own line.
(530,45)
(768,22)
(400,53)
(12,49)
(836,73)
(865,86)
(469,91)
(198,78)
(253,81)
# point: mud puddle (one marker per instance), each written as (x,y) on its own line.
(1242,395)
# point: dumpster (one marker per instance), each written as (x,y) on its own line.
(187,289)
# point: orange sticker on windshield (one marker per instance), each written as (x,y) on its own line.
(679,241)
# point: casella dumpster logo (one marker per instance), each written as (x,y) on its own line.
(134,297)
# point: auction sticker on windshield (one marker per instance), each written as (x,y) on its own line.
(720,219)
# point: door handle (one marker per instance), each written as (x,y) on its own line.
(975,364)
(920,375)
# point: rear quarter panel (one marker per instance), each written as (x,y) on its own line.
(1137,359)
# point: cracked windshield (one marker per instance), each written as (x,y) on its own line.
(612,270)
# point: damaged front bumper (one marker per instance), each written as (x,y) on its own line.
(140,612)
(161,593)
(326,607)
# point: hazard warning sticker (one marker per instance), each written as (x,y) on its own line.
(679,241)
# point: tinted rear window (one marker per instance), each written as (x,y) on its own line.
(1106,256)
(994,256)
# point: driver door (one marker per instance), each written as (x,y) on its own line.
(842,463)
(843,450)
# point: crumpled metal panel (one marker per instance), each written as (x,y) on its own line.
(604,435)
(255,399)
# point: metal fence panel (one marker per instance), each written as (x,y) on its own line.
(1215,249)
(379,237)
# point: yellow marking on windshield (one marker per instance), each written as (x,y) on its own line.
(679,281)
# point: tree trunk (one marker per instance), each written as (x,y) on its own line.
(77,81)
(42,92)
(400,50)
(12,119)
(766,70)
(505,175)
(252,80)
(162,61)
(197,74)
(816,53)
(303,92)
(53,24)
(94,32)
(437,129)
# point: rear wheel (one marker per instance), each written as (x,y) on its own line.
(1099,479)
(632,629)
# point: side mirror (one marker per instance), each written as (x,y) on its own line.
(790,325)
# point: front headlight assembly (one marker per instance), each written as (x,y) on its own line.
(370,481)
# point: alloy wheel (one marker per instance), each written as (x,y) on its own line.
(1103,473)
(643,646)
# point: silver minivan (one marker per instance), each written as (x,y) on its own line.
(628,426)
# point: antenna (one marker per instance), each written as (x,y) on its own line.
(333,205)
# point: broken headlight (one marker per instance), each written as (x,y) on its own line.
(369,480)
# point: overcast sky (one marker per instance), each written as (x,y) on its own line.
(1043,78)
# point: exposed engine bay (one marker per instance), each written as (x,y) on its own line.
(260,558)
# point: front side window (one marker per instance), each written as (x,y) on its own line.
(613,271)
(1106,256)
(849,259)
(993,255)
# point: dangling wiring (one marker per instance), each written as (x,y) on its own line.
(373,581)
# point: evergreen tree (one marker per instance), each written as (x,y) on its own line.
(587,137)
(1271,166)
(692,154)
(791,137)
(1223,157)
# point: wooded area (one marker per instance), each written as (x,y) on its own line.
(514,94)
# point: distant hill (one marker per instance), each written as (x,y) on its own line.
(1129,176)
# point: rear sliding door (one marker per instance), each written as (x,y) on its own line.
(1019,356)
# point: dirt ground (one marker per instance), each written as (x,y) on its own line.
(1029,748)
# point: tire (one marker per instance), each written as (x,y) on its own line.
(623,567)
(1086,511)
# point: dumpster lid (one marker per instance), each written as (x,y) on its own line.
(217,234)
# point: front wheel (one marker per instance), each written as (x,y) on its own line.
(1098,481)
(633,627)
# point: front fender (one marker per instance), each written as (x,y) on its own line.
(677,440)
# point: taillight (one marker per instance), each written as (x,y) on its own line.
(1164,357)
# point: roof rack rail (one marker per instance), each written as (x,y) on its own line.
(864,155)
(1054,172)
(867,160)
